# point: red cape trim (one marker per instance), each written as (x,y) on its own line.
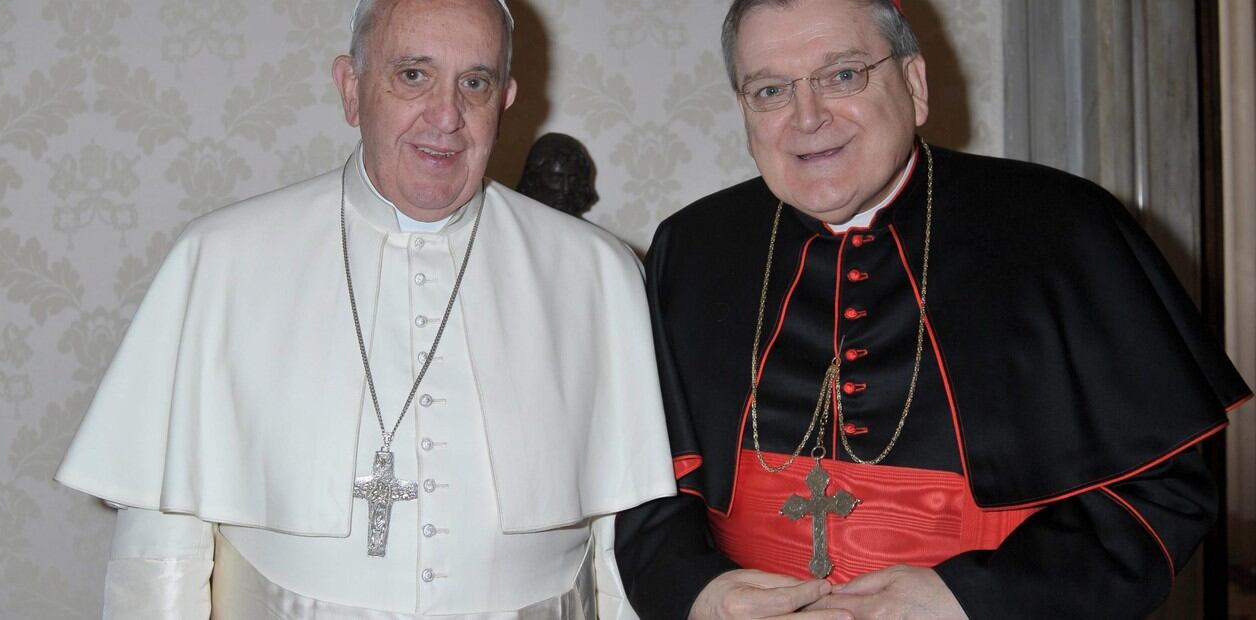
(1147,526)
(1119,477)
(687,464)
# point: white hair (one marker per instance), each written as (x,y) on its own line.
(363,22)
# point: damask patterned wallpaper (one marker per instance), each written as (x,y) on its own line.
(120,120)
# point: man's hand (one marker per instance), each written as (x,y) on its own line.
(755,594)
(898,592)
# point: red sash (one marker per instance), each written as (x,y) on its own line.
(907,516)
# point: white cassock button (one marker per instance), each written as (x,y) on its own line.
(426,400)
(427,575)
(429,530)
(427,444)
(420,279)
(429,485)
(418,243)
(422,357)
(420,321)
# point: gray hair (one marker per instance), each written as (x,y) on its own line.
(889,22)
(365,15)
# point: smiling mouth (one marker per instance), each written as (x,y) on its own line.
(431,152)
(820,154)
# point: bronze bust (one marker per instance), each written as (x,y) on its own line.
(560,173)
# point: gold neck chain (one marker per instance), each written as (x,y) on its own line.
(833,374)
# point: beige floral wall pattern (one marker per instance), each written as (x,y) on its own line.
(120,120)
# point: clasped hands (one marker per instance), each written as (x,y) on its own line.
(898,592)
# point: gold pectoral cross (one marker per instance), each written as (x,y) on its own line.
(819,506)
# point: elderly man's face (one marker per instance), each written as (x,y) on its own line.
(429,101)
(830,158)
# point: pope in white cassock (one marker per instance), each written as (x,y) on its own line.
(395,390)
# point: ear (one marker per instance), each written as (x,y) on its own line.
(745,122)
(917,86)
(346,79)
(512,89)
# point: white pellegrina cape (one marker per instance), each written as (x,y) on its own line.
(236,395)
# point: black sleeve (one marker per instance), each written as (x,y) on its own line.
(664,548)
(1111,552)
(667,556)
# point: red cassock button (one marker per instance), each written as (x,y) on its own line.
(850,387)
(855,275)
(859,240)
(853,314)
(854,354)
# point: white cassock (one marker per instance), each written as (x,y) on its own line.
(235,416)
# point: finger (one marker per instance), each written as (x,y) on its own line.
(868,583)
(768,580)
(778,601)
(856,606)
(818,614)
(839,600)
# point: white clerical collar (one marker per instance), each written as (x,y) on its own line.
(863,220)
(385,214)
(412,225)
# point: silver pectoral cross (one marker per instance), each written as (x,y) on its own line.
(818,506)
(380,490)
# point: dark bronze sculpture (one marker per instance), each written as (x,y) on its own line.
(560,173)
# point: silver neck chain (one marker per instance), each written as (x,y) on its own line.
(357,323)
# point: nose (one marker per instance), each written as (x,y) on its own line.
(810,113)
(444,109)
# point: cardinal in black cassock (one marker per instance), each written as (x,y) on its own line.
(1046,465)
(992,372)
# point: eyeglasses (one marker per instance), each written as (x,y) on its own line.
(840,79)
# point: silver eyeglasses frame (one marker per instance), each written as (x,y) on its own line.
(860,68)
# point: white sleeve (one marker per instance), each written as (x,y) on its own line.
(612,601)
(159,567)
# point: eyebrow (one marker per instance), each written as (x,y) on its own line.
(407,61)
(829,59)
(402,61)
(845,54)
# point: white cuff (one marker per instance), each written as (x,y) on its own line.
(137,589)
(159,567)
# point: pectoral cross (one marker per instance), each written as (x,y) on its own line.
(819,506)
(380,490)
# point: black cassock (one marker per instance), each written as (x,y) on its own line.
(1045,468)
